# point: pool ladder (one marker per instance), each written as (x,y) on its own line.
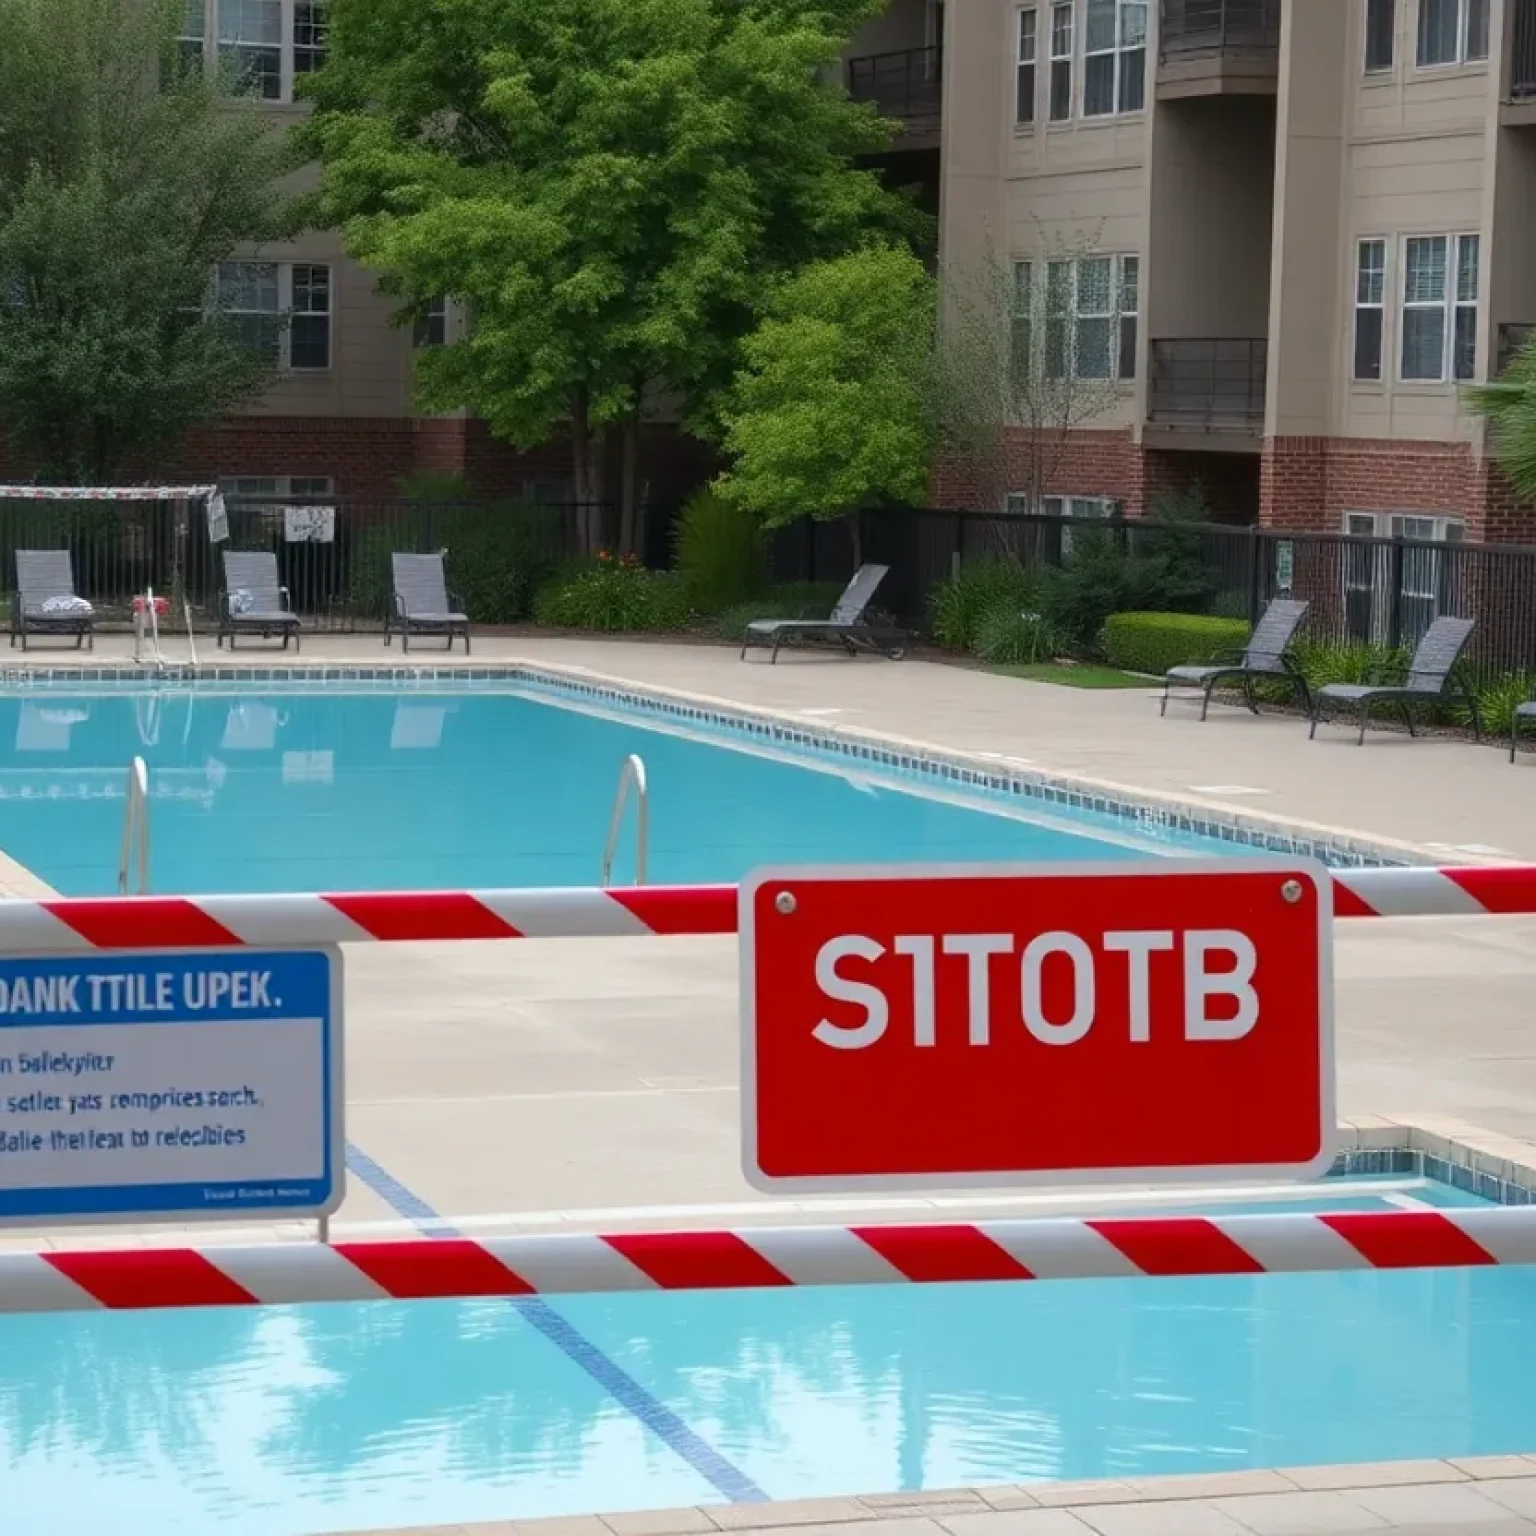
(135,832)
(631,776)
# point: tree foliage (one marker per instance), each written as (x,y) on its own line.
(117,199)
(1509,407)
(827,415)
(607,186)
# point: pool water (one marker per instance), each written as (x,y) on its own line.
(330,790)
(339,1418)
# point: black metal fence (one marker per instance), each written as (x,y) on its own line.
(1366,591)
(334,560)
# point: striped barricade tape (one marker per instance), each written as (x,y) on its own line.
(291,1274)
(205,922)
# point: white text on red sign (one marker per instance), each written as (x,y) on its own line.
(1212,963)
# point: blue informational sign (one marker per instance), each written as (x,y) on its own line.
(137,1087)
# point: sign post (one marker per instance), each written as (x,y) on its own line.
(167,1086)
(930,1026)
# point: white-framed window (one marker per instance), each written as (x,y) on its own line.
(1067,508)
(280,308)
(1021,338)
(1452,32)
(1427,576)
(1370,306)
(266,44)
(1380,35)
(1026,52)
(432,325)
(1114,57)
(1439,308)
(1062,32)
(1089,306)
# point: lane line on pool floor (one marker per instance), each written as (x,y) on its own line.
(665,1423)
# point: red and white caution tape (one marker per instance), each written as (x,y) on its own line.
(208,922)
(291,1274)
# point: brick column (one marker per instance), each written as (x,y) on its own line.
(1293,484)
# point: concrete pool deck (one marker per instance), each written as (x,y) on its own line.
(593,1082)
(1486,1495)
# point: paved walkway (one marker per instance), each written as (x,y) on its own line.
(594,1082)
(1488,1496)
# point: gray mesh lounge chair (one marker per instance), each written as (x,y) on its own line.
(1265,656)
(45,601)
(1524,714)
(253,602)
(422,604)
(1428,681)
(847,626)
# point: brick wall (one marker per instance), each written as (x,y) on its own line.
(1310,483)
(1091,463)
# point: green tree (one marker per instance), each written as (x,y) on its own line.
(1509,407)
(606,186)
(828,414)
(117,199)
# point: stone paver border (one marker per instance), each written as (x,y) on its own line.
(1475,1493)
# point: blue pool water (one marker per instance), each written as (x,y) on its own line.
(328,790)
(293,1420)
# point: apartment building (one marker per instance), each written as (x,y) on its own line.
(1297,228)
(339,419)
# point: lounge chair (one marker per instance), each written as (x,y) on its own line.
(422,604)
(45,601)
(847,626)
(1524,713)
(253,601)
(1265,656)
(1428,681)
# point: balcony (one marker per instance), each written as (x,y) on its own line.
(1520,95)
(906,85)
(1218,48)
(1209,388)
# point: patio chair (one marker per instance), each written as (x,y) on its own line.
(421,603)
(253,601)
(45,601)
(1429,679)
(847,625)
(1523,713)
(1265,656)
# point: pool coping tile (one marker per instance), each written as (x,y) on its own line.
(986,1511)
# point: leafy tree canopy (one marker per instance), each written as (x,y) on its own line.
(828,414)
(117,199)
(605,185)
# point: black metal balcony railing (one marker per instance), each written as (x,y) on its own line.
(1522,52)
(907,84)
(1203,29)
(1208,382)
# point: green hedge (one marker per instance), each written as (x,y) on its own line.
(1153,642)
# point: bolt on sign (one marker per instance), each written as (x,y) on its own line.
(929,1026)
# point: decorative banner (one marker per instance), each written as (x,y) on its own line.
(107,492)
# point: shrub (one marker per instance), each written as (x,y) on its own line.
(1007,636)
(1153,642)
(1099,579)
(498,554)
(1497,701)
(981,587)
(614,596)
(720,553)
(797,600)
(1323,661)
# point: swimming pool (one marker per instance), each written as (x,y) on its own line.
(341,1418)
(322,788)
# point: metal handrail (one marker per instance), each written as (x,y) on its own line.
(632,773)
(186,610)
(135,830)
(144,610)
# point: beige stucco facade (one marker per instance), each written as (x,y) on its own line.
(1245,179)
